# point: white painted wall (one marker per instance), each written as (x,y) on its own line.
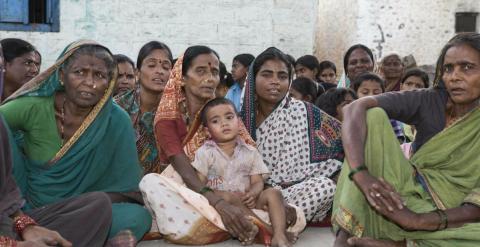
(418,27)
(228,26)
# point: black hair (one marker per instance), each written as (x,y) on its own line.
(13,48)
(97,51)
(245,59)
(305,86)
(418,73)
(326,65)
(309,61)
(225,77)
(333,97)
(148,48)
(272,53)
(353,48)
(120,58)
(469,38)
(212,103)
(194,51)
(367,76)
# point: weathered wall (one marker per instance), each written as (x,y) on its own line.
(413,27)
(228,26)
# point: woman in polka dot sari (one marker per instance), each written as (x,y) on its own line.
(300,144)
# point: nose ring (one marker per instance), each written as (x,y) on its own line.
(94,86)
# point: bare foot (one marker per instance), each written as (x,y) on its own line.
(122,239)
(292,237)
(251,236)
(291,214)
(280,240)
(370,242)
(341,239)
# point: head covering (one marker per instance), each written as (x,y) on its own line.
(100,156)
(172,107)
(295,138)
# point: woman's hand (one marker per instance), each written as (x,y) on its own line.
(234,220)
(41,235)
(379,194)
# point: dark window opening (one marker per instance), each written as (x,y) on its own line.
(466,22)
(37,11)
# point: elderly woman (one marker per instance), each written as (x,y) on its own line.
(75,140)
(299,143)
(391,68)
(186,211)
(382,198)
(154,64)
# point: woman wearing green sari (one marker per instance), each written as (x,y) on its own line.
(433,199)
(75,139)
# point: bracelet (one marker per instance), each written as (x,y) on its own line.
(443,219)
(356,170)
(8,242)
(219,200)
(205,190)
(21,222)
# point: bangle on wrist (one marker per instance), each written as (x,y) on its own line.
(205,190)
(21,222)
(356,170)
(443,219)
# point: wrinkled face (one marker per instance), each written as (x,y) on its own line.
(347,100)
(461,74)
(126,77)
(85,80)
(22,69)
(203,77)
(302,71)
(392,67)
(412,83)
(155,71)
(222,123)
(369,88)
(239,72)
(272,81)
(328,75)
(358,63)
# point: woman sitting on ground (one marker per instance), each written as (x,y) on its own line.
(75,139)
(154,64)
(299,143)
(433,199)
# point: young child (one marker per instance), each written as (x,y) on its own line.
(304,89)
(234,170)
(370,84)
(333,101)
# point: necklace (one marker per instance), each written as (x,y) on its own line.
(62,121)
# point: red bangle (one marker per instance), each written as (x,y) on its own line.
(7,242)
(21,222)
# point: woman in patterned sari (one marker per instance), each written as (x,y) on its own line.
(299,143)
(184,212)
(154,64)
(74,139)
(433,199)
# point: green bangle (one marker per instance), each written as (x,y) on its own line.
(205,190)
(356,170)
(443,219)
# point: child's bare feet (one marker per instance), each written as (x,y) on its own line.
(122,239)
(292,237)
(281,240)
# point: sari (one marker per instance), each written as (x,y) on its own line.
(437,176)
(143,125)
(301,146)
(100,156)
(181,215)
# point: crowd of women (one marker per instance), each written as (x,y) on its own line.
(97,150)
